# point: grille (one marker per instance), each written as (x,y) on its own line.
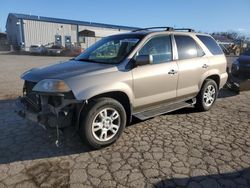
(32,97)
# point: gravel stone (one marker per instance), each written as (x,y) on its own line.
(78,176)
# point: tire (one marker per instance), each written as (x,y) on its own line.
(237,52)
(102,123)
(204,103)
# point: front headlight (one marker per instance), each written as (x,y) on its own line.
(51,85)
(235,67)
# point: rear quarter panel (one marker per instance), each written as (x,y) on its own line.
(217,66)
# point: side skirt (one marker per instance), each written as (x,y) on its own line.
(164,108)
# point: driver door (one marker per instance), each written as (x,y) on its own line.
(155,83)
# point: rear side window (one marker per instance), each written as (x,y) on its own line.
(187,47)
(211,44)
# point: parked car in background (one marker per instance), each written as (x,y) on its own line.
(143,74)
(73,50)
(241,67)
(38,49)
(55,50)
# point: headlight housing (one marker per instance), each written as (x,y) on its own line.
(235,67)
(52,86)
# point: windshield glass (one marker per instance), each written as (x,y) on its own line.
(111,50)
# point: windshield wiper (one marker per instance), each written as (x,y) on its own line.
(90,60)
(87,60)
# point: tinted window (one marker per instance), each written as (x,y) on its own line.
(159,47)
(187,47)
(211,44)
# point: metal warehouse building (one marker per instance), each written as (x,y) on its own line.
(26,30)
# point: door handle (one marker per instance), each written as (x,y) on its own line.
(205,66)
(172,71)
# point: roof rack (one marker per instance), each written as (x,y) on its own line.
(184,29)
(150,28)
(165,28)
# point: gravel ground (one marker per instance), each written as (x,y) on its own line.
(181,149)
(12,66)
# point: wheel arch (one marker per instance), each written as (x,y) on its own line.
(120,96)
(214,77)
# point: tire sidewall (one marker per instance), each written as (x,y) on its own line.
(86,126)
(207,83)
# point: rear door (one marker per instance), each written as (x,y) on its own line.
(192,66)
(155,83)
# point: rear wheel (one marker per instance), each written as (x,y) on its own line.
(103,122)
(207,95)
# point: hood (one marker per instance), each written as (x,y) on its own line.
(244,59)
(65,70)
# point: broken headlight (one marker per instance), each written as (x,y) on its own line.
(235,67)
(51,85)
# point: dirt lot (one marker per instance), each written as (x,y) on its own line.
(181,149)
(12,66)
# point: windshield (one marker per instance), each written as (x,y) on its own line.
(111,50)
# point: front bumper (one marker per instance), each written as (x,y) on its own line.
(22,110)
(241,71)
(244,72)
(46,114)
(238,84)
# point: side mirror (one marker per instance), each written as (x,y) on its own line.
(143,60)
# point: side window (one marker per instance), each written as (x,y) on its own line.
(211,44)
(187,47)
(200,52)
(159,47)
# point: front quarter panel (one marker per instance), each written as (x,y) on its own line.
(86,86)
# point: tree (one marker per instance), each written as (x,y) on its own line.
(232,35)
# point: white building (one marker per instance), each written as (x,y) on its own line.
(26,30)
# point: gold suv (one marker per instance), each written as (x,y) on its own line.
(143,73)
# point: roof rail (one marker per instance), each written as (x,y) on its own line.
(149,28)
(184,29)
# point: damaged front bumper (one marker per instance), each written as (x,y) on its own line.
(50,111)
(238,84)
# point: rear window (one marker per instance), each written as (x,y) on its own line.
(211,44)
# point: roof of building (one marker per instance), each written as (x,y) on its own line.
(66,21)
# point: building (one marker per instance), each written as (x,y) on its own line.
(26,30)
(4,45)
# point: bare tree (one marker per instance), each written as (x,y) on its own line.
(232,35)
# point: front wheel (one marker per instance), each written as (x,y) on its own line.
(207,95)
(103,122)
